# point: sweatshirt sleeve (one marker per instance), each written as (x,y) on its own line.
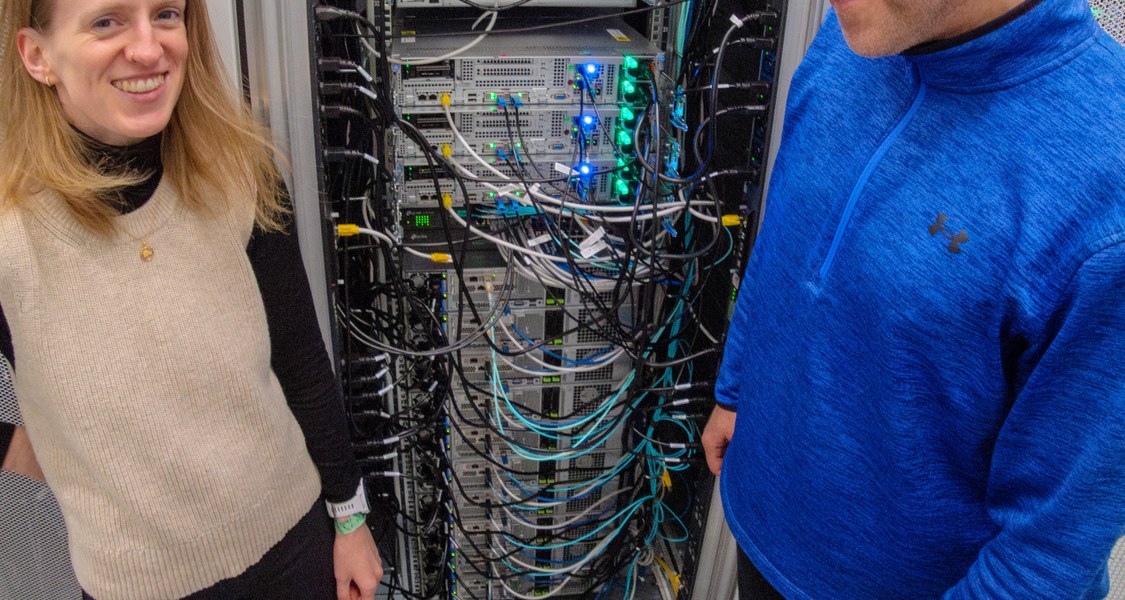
(731,368)
(1056,489)
(301,362)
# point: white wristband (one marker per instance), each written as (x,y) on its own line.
(357,504)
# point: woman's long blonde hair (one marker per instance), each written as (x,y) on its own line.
(212,145)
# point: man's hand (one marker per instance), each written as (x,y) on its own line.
(357,564)
(21,458)
(716,437)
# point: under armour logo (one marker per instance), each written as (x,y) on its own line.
(955,239)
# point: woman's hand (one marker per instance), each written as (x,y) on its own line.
(21,458)
(357,564)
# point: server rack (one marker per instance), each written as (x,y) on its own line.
(291,86)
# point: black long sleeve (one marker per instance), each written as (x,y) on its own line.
(6,429)
(301,362)
(6,340)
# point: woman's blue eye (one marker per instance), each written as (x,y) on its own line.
(169,15)
(103,23)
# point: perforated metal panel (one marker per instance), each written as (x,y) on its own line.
(9,410)
(1117,573)
(34,561)
(1111,16)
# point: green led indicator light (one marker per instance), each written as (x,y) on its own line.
(622,187)
(624,138)
(627,114)
(421,220)
(628,87)
(631,63)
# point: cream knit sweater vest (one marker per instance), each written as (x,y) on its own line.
(147,392)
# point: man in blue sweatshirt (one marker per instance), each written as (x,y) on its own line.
(926,355)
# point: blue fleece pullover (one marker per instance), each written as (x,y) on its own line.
(927,347)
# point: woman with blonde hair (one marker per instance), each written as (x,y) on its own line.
(175,392)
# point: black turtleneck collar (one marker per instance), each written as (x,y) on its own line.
(141,158)
(968,36)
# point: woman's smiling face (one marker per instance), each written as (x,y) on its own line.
(117,65)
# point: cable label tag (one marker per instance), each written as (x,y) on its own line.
(593,244)
(591,251)
(540,240)
(565,170)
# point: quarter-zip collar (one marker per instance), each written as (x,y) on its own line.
(872,164)
(1023,47)
(1030,40)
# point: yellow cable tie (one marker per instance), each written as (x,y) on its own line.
(347,230)
(731,220)
(447,151)
(439,257)
(447,200)
(666,479)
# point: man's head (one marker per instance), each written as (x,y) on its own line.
(884,27)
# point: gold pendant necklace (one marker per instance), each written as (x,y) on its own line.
(147,253)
